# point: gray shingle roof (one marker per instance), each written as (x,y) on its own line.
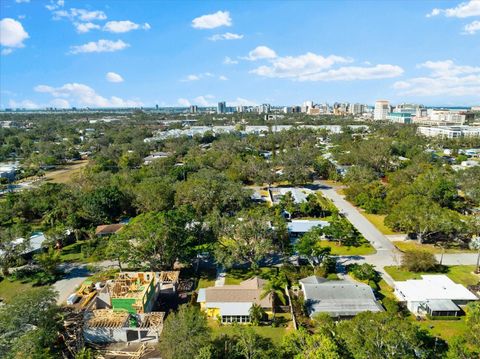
(338,298)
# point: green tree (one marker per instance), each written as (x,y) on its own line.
(382,335)
(154,194)
(49,261)
(245,239)
(274,289)
(342,231)
(250,345)
(419,261)
(104,204)
(29,325)
(10,250)
(256,314)
(310,247)
(185,332)
(420,215)
(158,238)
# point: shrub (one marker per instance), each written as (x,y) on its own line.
(364,272)
(419,261)
(390,305)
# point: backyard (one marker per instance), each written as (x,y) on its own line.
(276,334)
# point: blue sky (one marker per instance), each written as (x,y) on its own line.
(170,53)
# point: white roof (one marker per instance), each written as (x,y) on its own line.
(432,287)
(304,225)
(36,241)
(237,308)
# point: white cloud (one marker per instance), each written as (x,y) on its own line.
(226,36)
(113,77)
(183,102)
(462,10)
(445,78)
(351,73)
(99,46)
(212,21)
(86,15)
(60,103)
(22,1)
(146,26)
(83,95)
(239,101)
(191,78)
(83,27)
(298,66)
(196,77)
(12,35)
(223,78)
(55,5)
(229,61)
(313,67)
(28,104)
(120,26)
(472,28)
(204,100)
(261,52)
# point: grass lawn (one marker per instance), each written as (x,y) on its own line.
(459,274)
(275,334)
(73,253)
(410,245)
(206,279)
(378,221)
(65,174)
(364,249)
(9,289)
(237,275)
(385,290)
(445,329)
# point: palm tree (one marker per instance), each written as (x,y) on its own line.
(256,313)
(275,290)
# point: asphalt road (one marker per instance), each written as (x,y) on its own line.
(387,254)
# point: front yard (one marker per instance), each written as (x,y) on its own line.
(410,245)
(459,274)
(364,249)
(8,289)
(378,221)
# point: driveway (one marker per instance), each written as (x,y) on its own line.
(75,274)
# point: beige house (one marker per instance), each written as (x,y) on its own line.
(232,303)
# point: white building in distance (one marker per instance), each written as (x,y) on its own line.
(382,109)
(449,131)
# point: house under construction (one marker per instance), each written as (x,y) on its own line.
(122,310)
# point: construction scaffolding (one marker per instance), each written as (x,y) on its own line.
(169,277)
(106,318)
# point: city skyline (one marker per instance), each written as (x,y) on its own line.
(100,54)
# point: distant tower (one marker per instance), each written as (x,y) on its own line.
(221,107)
(382,109)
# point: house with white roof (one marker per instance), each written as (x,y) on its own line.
(298,227)
(436,295)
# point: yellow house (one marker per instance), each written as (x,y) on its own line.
(232,303)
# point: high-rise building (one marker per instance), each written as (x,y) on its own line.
(356,108)
(193,109)
(265,108)
(382,109)
(240,108)
(221,107)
